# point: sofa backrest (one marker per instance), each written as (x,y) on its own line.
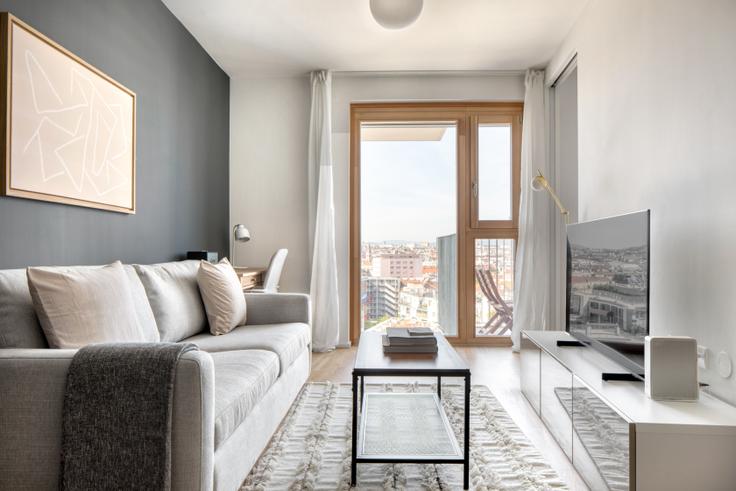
(19,326)
(173,293)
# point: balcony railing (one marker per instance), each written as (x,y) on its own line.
(494,259)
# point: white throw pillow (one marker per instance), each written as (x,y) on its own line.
(223,296)
(80,306)
(174,298)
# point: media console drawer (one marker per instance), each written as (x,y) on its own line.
(614,435)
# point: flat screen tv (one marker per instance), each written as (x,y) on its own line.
(608,286)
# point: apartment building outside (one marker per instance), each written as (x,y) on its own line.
(380,297)
(397,266)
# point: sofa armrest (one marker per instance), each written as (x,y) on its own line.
(193,423)
(278,308)
(32,386)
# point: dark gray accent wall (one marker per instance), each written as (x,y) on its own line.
(182,148)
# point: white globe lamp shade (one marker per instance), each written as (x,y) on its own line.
(396,14)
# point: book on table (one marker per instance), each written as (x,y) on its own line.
(403,336)
(420,331)
(409,340)
(388,347)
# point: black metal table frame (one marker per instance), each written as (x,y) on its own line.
(361,373)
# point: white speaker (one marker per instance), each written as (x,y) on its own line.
(671,368)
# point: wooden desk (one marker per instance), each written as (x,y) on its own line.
(251,277)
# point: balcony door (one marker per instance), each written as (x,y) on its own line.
(433,219)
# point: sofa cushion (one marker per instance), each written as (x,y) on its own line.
(242,378)
(140,300)
(222,295)
(287,341)
(80,306)
(174,297)
(19,327)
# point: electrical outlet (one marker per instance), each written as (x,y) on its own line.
(724,365)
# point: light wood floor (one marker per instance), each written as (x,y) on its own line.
(496,368)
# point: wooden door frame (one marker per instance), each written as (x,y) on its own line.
(461,114)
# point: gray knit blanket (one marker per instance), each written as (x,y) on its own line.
(116,426)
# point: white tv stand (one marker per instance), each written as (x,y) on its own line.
(614,435)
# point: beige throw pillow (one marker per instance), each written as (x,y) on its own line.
(174,298)
(223,296)
(80,306)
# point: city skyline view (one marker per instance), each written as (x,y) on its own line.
(409,259)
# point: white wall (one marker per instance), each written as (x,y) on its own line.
(657,129)
(269,121)
(356,87)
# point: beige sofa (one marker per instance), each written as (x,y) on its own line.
(229,397)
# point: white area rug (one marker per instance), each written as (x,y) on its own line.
(311,449)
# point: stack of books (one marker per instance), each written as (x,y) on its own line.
(409,340)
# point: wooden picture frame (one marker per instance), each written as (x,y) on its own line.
(68,129)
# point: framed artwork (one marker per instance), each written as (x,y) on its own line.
(68,130)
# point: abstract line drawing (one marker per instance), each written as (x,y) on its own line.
(71,127)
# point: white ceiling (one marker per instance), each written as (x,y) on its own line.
(255,38)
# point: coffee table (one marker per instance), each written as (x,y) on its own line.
(432,440)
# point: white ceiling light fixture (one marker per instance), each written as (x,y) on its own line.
(396,14)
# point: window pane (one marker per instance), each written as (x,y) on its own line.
(494,286)
(494,172)
(408,226)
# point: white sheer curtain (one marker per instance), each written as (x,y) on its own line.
(323,288)
(533,259)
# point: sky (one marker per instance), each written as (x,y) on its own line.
(409,188)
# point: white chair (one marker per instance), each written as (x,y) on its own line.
(273,273)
